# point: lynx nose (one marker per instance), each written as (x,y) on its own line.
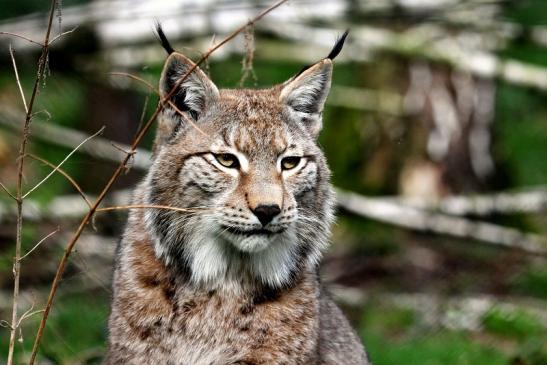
(265,213)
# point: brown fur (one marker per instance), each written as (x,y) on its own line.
(154,310)
(217,286)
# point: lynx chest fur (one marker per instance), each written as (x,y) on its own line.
(229,275)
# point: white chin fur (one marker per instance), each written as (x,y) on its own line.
(214,261)
(250,244)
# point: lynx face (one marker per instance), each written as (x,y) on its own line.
(247,166)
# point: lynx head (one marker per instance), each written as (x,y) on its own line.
(247,166)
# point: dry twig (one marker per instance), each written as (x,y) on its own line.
(17,78)
(7,191)
(151,206)
(62,162)
(58,36)
(19,194)
(39,243)
(247,69)
(62,172)
(22,37)
(171,104)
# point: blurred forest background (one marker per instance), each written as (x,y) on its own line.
(435,129)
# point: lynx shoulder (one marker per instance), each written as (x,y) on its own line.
(232,279)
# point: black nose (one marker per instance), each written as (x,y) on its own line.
(265,213)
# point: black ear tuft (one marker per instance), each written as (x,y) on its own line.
(333,53)
(163,39)
(338,46)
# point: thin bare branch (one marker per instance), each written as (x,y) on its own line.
(247,69)
(121,167)
(64,173)
(43,111)
(39,243)
(17,78)
(171,104)
(5,324)
(194,125)
(21,37)
(7,191)
(22,151)
(62,162)
(57,37)
(28,314)
(143,113)
(127,167)
(152,206)
(121,149)
(137,78)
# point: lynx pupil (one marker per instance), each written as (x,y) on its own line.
(289,163)
(227,160)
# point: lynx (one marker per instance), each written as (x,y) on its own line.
(234,279)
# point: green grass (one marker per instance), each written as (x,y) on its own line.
(531,282)
(396,336)
(76,326)
(76,329)
(440,348)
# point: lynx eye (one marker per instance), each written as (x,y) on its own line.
(289,163)
(227,160)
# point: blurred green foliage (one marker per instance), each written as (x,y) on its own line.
(521,129)
(517,323)
(12,8)
(532,282)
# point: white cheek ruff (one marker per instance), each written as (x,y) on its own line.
(215,262)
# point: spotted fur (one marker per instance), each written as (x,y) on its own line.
(215,285)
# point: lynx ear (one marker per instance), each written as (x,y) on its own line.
(191,96)
(304,95)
